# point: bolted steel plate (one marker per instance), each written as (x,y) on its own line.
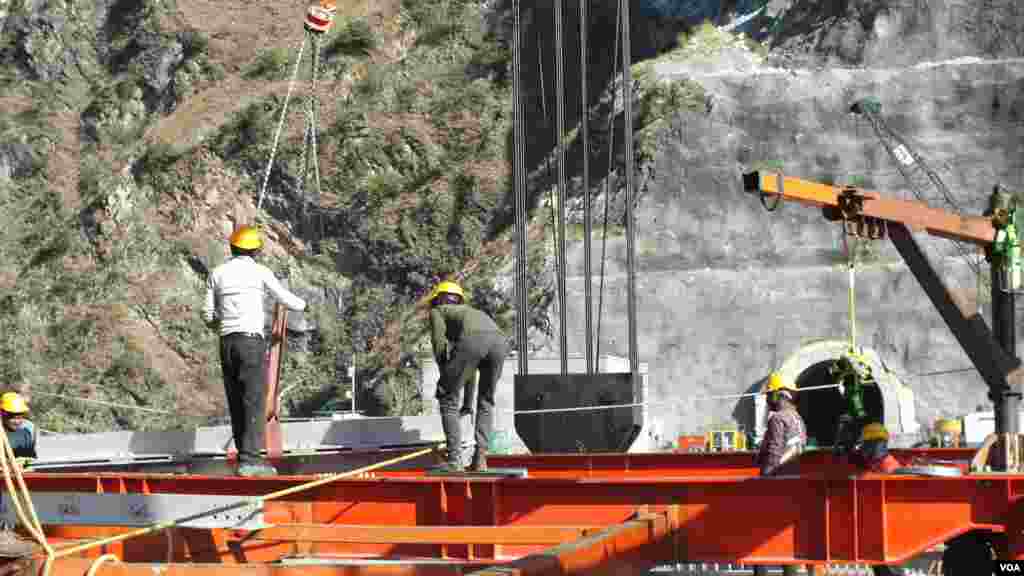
(140,510)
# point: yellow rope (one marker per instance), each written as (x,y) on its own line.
(9,462)
(99,562)
(249,502)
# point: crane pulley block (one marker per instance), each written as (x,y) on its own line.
(855,222)
(319,17)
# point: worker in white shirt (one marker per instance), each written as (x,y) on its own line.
(234,305)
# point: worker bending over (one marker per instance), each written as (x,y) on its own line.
(465,341)
(21,433)
(234,305)
(784,439)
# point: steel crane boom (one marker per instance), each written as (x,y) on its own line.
(866,213)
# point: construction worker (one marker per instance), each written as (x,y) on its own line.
(872,453)
(234,305)
(21,433)
(786,435)
(465,341)
(784,439)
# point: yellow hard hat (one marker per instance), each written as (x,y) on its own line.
(874,431)
(13,403)
(776,383)
(247,238)
(447,288)
(948,426)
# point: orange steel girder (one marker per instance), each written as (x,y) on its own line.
(825,515)
(915,215)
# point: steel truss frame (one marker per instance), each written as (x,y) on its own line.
(592,514)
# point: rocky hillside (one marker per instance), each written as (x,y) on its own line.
(137,135)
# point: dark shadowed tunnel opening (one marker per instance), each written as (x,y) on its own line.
(820,409)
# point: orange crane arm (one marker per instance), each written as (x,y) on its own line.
(915,215)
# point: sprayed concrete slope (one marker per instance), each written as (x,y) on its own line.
(726,290)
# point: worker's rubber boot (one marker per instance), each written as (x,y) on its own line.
(453,441)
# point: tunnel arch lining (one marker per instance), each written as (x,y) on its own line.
(896,401)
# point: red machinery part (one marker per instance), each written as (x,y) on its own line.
(319,18)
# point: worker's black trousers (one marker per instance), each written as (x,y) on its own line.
(481,351)
(241,361)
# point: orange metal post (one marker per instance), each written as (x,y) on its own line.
(273,442)
(916,215)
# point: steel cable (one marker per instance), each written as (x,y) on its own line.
(607,180)
(519,190)
(558,7)
(587,224)
(280,122)
(627,102)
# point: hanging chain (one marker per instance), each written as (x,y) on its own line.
(280,122)
(310,214)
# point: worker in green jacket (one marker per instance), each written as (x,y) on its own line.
(465,341)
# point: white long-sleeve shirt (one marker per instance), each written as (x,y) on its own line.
(235,291)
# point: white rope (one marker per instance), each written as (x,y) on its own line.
(113,404)
(613,406)
(649,404)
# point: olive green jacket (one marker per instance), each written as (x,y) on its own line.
(450,322)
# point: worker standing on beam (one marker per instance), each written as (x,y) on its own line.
(21,433)
(234,305)
(465,341)
(784,439)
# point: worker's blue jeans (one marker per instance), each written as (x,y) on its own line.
(242,365)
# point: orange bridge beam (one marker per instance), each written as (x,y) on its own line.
(621,550)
